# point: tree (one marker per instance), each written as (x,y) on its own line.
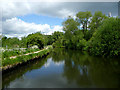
(58,39)
(56,35)
(73,36)
(48,39)
(106,39)
(70,26)
(35,39)
(97,20)
(23,42)
(83,19)
(10,42)
(4,38)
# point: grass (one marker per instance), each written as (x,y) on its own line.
(7,53)
(20,59)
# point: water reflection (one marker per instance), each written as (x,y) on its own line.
(88,71)
(66,68)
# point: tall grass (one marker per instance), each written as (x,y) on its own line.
(20,59)
(7,53)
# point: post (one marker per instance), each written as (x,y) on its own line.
(109,15)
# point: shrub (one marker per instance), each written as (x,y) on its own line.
(106,39)
(81,44)
(58,43)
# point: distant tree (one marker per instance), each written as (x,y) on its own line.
(10,42)
(56,35)
(48,39)
(35,39)
(4,38)
(23,42)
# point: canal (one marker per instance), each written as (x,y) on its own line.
(65,69)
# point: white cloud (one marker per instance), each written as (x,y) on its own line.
(14,9)
(54,9)
(17,27)
(66,13)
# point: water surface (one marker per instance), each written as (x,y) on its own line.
(66,69)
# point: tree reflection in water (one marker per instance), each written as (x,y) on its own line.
(88,71)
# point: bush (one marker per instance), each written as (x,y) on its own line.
(57,44)
(81,44)
(106,39)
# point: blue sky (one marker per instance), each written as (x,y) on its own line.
(41,19)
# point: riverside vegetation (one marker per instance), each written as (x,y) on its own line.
(97,34)
(11,62)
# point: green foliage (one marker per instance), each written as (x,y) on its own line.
(24,58)
(58,39)
(59,43)
(56,35)
(81,44)
(73,37)
(48,39)
(10,42)
(23,42)
(106,39)
(35,39)
(88,34)
(97,34)
(7,53)
(82,19)
(102,37)
(96,21)
(70,25)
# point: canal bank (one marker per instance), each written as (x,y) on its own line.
(11,63)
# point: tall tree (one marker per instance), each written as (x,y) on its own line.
(83,19)
(97,20)
(70,26)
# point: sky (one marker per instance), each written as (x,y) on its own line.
(22,18)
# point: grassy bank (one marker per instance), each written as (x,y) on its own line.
(13,52)
(9,63)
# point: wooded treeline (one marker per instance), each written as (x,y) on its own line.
(98,34)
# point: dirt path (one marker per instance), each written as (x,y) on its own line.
(28,53)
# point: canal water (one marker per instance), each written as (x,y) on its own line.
(65,69)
